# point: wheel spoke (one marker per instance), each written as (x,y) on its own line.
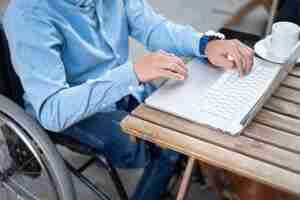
(23,165)
(19,190)
(5,159)
(19,172)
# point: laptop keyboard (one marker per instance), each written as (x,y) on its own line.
(232,97)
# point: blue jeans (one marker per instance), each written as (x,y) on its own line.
(102,131)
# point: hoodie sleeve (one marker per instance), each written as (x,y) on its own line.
(156,32)
(36,48)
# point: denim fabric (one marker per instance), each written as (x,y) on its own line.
(103,132)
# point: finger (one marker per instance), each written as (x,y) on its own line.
(235,57)
(246,59)
(250,57)
(174,67)
(171,75)
(243,66)
(251,51)
(171,63)
(178,63)
(247,53)
(226,62)
(178,60)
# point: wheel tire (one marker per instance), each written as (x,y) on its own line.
(55,164)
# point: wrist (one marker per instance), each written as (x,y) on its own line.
(206,38)
(202,44)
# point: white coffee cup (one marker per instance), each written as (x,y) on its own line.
(284,37)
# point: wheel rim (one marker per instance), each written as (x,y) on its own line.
(23,168)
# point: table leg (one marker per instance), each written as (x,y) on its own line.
(186,179)
(212,175)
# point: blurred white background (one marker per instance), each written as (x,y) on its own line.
(205,15)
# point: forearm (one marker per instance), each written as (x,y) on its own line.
(174,38)
(74,104)
(156,32)
(37,55)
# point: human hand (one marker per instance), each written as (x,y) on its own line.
(230,54)
(157,65)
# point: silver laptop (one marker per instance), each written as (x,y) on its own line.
(222,100)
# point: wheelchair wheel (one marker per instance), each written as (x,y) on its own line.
(30,168)
(23,170)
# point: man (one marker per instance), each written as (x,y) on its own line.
(72,59)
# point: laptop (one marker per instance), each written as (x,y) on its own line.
(222,100)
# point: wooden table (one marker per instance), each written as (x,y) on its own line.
(268,151)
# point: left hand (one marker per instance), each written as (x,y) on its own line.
(230,54)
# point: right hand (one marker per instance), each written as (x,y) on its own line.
(230,54)
(157,65)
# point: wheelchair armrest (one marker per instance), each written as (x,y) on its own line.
(38,135)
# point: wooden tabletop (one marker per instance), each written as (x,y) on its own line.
(268,151)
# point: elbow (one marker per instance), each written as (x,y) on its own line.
(57,113)
(50,123)
(50,118)
(52,127)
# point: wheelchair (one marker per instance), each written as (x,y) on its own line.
(31,167)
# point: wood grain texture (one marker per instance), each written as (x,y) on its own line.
(268,151)
(288,94)
(242,144)
(218,156)
(279,121)
(296,71)
(292,82)
(273,137)
(284,107)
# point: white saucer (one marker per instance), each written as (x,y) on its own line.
(263,49)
